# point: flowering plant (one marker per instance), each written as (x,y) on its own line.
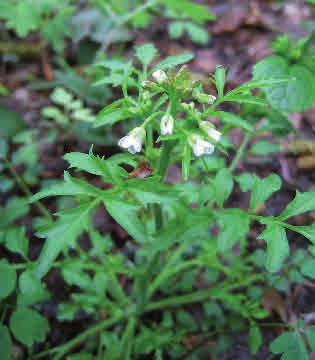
(185,244)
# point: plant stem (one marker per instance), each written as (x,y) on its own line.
(24,187)
(240,152)
(198,296)
(63,349)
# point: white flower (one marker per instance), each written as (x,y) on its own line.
(167,124)
(159,76)
(133,140)
(200,146)
(211,131)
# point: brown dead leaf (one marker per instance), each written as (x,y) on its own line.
(273,302)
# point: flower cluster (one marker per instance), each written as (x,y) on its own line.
(200,145)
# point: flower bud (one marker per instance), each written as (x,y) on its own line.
(159,76)
(210,130)
(203,98)
(167,124)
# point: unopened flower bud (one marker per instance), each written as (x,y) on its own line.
(167,124)
(203,98)
(159,76)
(210,130)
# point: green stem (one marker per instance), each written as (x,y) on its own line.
(240,152)
(24,187)
(64,349)
(199,296)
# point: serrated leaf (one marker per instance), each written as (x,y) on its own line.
(62,234)
(28,326)
(69,187)
(108,169)
(32,290)
(127,217)
(296,95)
(234,225)
(233,120)
(16,241)
(277,246)
(302,203)
(146,53)
(263,189)
(223,185)
(173,61)
(7,279)
(5,343)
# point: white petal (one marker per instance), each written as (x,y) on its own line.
(159,76)
(125,142)
(216,135)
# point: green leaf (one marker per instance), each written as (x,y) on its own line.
(126,216)
(233,120)
(173,61)
(28,326)
(32,290)
(108,169)
(70,186)
(198,13)
(263,189)
(7,279)
(277,246)
(176,29)
(22,18)
(15,209)
(264,147)
(254,338)
(234,225)
(197,33)
(308,268)
(16,241)
(223,185)
(302,203)
(151,191)
(186,161)
(310,333)
(4,148)
(110,118)
(146,53)
(11,122)
(296,95)
(292,346)
(260,83)
(62,233)
(220,77)
(5,343)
